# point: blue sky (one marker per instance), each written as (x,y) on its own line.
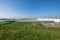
(29,8)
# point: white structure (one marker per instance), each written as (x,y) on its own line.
(49,19)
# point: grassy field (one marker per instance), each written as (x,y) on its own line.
(25,31)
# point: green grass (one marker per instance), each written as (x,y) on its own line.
(20,31)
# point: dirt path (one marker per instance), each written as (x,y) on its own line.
(51,24)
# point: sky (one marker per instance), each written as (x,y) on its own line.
(29,8)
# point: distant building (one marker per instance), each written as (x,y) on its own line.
(48,20)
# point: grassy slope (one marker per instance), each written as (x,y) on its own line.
(17,31)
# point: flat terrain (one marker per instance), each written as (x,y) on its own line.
(28,31)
